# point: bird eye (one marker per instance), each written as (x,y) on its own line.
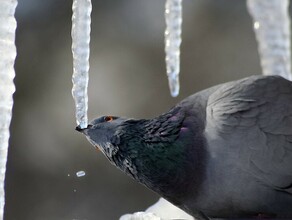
(108,118)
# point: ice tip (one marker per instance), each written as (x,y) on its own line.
(174,87)
(81,129)
(78,128)
(174,92)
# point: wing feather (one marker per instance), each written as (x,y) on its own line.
(254,117)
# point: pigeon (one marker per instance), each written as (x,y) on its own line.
(224,152)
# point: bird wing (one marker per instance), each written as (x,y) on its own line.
(253,118)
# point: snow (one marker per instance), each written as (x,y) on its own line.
(161,210)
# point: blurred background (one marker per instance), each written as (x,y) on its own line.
(127,77)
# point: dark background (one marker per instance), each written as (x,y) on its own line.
(127,77)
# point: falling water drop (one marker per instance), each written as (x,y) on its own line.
(80,49)
(173,18)
(80,173)
(272,28)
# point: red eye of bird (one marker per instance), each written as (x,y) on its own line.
(108,118)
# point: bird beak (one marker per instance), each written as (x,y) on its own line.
(83,130)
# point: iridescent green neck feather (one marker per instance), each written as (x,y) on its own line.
(159,153)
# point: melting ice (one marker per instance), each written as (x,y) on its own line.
(272,28)
(173,18)
(80,49)
(7,88)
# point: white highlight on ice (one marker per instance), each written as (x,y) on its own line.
(173,18)
(272,28)
(80,173)
(80,48)
(7,88)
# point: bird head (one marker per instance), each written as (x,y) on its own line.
(154,152)
(119,139)
(101,133)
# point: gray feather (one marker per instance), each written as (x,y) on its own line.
(256,111)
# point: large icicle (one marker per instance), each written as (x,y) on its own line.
(173,18)
(272,28)
(80,49)
(7,57)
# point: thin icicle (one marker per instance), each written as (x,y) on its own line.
(7,88)
(272,28)
(173,18)
(80,49)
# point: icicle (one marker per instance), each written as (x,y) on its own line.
(7,88)
(173,18)
(80,49)
(272,28)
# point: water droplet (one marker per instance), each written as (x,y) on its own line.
(80,173)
